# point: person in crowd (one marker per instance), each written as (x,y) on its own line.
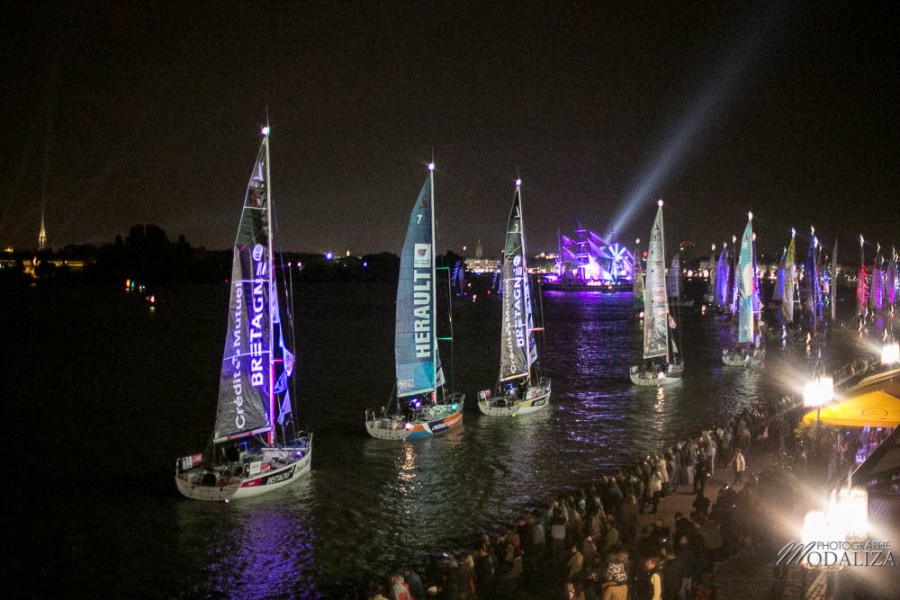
(374,591)
(701,472)
(629,522)
(399,589)
(739,464)
(615,579)
(574,564)
(673,574)
(647,581)
(484,571)
(654,488)
(414,582)
(663,467)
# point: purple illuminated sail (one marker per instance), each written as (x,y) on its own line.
(245,378)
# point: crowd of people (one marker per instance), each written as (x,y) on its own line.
(589,543)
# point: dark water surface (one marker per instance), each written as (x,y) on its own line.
(101,395)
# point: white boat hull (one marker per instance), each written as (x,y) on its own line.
(435,419)
(536,398)
(276,467)
(657,377)
(743,358)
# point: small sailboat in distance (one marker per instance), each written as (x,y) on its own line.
(419,405)
(749,349)
(255,447)
(662,364)
(520,390)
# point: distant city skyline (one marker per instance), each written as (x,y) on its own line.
(133,116)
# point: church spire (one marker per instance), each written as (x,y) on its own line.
(42,236)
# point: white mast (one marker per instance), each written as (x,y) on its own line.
(526,282)
(272,289)
(434,340)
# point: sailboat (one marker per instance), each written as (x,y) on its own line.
(255,447)
(789,295)
(519,390)
(637,283)
(419,405)
(748,350)
(723,277)
(662,363)
(675,284)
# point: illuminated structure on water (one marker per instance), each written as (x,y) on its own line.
(590,260)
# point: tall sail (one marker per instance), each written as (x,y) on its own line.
(637,284)
(723,276)
(862,290)
(656,305)
(747,270)
(891,280)
(517,348)
(876,291)
(812,301)
(834,264)
(415,339)
(245,379)
(673,278)
(790,281)
(778,292)
(735,277)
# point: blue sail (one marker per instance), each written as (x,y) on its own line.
(723,275)
(415,347)
(747,270)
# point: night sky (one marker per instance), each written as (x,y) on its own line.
(116,115)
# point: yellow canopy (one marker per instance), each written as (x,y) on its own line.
(872,409)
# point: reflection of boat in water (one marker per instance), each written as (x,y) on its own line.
(419,405)
(518,391)
(255,447)
(663,364)
(749,350)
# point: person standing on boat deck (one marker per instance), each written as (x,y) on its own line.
(740,465)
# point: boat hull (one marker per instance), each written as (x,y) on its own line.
(743,358)
(436,419)
(277,467)
(536,398)
(656,377)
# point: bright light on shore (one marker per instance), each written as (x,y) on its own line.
(890,353)
(818,392)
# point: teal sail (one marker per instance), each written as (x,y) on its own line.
(747,270)
(245,385)
(517,348)
(656,305)
(415,337)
